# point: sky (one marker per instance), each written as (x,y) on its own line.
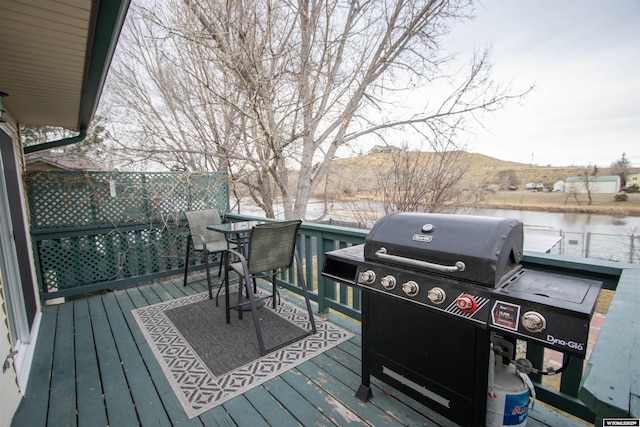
(583,56)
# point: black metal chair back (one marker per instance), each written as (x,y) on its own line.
(272,246)
(198,222)
(203,240)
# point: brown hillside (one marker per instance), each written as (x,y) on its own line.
(357,178)
(358,174)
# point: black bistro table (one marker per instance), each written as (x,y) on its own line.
(238,234)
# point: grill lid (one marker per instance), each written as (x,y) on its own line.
(483,250)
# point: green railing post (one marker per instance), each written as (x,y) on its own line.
(535,354)
(309,258)
(326,287)
(571,377)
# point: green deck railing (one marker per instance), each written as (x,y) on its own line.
(314,241)
(611,383)
(101,230)
(566,398)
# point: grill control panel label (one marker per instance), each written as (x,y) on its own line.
(506,315)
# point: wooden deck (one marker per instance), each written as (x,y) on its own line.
(93,367)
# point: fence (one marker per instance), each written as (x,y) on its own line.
(96,230)
(608,247)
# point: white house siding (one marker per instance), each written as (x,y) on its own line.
(9,391)
(15,377)
(633,179)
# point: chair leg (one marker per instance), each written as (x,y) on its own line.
(256,320)
(220,261)
(226,289)
(305,292)
(240,285)
(186,261)
(206,266)
(274,291)
(219,290)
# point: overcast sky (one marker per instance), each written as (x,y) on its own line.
(584,58)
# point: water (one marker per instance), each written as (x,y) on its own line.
(603,237)
(583,235)
(569,222)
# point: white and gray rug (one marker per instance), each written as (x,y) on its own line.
(208,362)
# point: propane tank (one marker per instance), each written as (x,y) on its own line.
(508,396)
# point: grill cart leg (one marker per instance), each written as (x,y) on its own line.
(364,391)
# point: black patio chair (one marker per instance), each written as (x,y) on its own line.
(271,249)
(206,241)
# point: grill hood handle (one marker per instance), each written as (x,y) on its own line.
(383,255)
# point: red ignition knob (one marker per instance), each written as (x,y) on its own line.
(466,303)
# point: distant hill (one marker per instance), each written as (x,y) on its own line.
(354,175)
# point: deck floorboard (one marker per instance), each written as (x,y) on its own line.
(35,403)
(91,409)
(93,367)
(118,400)
(63,372)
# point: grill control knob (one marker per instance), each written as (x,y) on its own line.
(368,277)
(534,321)
(467,303)
(436,295)
(388,282)
(411,288)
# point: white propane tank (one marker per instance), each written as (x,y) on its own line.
(508,396)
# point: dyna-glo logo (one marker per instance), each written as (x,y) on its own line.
(571,344)
(422,238)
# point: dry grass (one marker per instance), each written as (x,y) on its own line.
(563,202)
(604,301)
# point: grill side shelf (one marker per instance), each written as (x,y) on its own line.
(342,264)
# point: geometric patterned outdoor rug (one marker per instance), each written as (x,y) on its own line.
(198,352)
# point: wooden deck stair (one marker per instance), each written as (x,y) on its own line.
(93,367)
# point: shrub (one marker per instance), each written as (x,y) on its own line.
(635,188)
(621,197)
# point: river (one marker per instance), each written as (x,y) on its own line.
(604,237)
(570,222)
(579,234)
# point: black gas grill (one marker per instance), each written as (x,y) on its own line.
(436,288)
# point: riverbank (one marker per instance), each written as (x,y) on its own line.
(365,210)
(602,204)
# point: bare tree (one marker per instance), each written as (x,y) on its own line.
(423,181)
(621,167)
(508,179)
(586,184)
(572,191)
(589,181)
(259,88)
